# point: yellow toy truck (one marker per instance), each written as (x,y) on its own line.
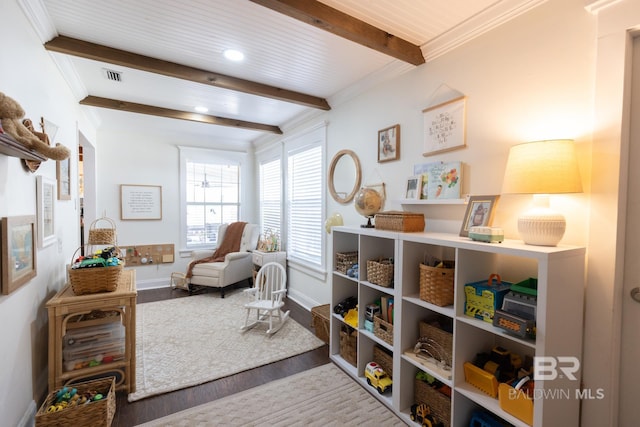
(377,377)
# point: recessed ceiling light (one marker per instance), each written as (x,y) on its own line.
(233,55)
(201,109)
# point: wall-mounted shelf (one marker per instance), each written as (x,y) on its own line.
(13,148)
(431,202)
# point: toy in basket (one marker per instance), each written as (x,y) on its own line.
(82,404)
(95,273)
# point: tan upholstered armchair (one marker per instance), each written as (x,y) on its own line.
(236,267)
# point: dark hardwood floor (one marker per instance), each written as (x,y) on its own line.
(130,414)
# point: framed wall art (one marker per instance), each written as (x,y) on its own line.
(63,175)
(140,202)
(389,144)
(46,198)
(412,189)
(444,126)
(480,211)
(440,180)
(18,256)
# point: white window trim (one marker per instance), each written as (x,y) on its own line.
(213,156)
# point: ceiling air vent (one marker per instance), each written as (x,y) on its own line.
(114,76)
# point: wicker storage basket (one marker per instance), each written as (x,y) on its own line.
(380,272)
(441,340)
(383,330)
(384,359)
(94,280)
(436,283)
(349,344)
(439,403)
(400,221)
(346,260)
(320,321)
(102,236)
(98,413)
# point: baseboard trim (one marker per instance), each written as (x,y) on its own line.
(301,299)
(29,417)
(152,284)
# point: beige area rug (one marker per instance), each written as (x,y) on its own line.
(323,396)
(188,341)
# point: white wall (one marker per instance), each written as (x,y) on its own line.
(28,75)
(143,156)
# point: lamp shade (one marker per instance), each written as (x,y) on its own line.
(542,167)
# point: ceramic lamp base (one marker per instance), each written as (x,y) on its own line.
(541,226)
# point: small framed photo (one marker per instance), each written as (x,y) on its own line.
(63,174)
(18,242)
(413,187)
(480,211)
(444,126)
(389,144)
(46,199)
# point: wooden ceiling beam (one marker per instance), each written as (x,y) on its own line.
(115,104)
(96,52)
(339,23)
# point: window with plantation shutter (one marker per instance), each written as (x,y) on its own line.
(304,204)
(271,196)
(210,194)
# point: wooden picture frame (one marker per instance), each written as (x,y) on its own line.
(140,202)
(45,203)
(480,211)
(444,126)
(18,257)
(63,176)
(413,187)
(389,144)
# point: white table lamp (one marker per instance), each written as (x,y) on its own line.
(542,168)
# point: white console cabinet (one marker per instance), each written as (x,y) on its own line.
(560,274)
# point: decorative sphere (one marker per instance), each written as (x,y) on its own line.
(333,221)
(368,202)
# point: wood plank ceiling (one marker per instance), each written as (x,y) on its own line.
(299,54)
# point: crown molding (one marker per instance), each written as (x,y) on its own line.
(476,26)
(37,15)
(390,71)
(595,6)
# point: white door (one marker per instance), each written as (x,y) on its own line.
(630,346)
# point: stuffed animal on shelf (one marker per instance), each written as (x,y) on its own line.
(11,114)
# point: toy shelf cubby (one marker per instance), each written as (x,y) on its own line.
(560,274)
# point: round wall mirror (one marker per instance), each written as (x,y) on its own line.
(344,176)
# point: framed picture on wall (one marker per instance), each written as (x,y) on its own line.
(480,210)
(444,126)
(18,243)
(63,175)
(412,189)
(140,202)
(389,144)
(45,201)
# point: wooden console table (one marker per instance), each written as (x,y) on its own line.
(67,311)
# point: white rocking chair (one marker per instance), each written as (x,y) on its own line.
(270,287)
